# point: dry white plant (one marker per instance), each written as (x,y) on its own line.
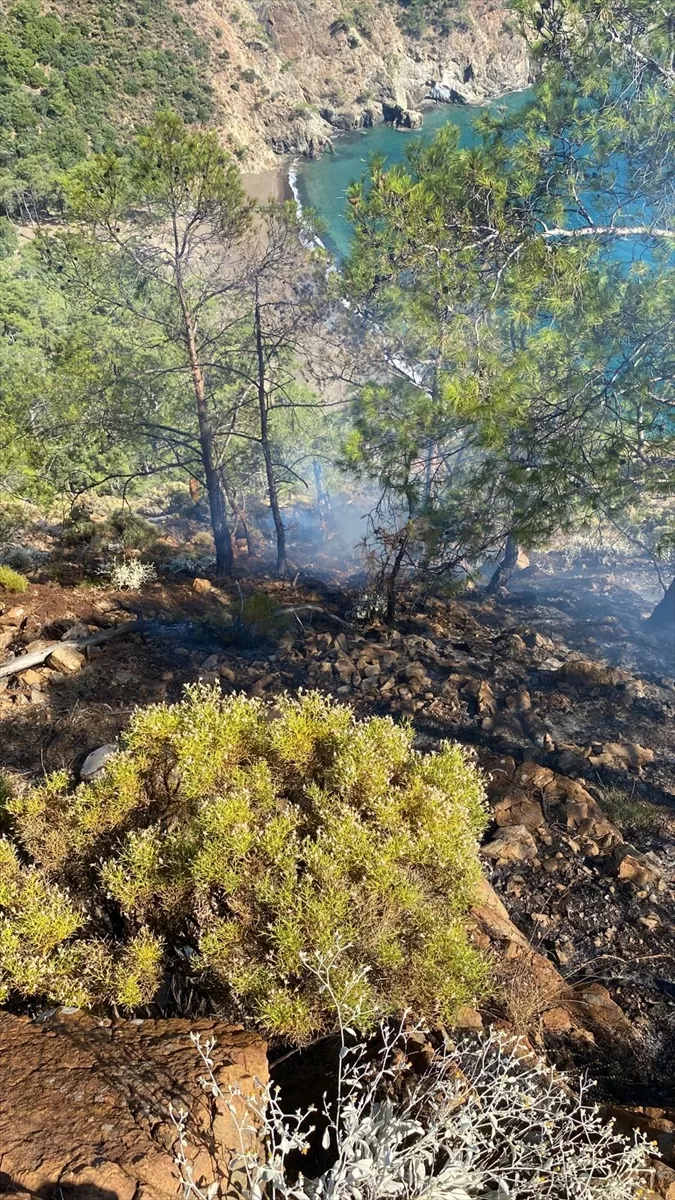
(128,575)
(486,1120)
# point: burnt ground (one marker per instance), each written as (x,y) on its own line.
(558,672)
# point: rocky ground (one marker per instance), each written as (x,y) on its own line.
(566,702)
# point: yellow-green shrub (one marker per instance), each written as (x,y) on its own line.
(12,581)
(229,844)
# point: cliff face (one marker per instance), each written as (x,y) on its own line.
(289,74)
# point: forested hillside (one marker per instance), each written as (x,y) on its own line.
(271,77)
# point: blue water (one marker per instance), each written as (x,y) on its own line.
(323,182)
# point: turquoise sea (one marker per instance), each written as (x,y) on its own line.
(321,184)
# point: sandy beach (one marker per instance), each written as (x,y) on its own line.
(270,185)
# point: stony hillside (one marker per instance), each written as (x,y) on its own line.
(288,74)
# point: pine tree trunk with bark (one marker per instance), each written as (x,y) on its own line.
(222,535)
(272,490)
(663,616)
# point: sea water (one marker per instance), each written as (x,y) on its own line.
(321,184)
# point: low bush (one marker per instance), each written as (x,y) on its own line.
(486,1120)
(128,574)
(228,844)
(12,581)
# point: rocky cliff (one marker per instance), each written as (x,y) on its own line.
(289,74)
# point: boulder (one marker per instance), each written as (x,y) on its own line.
(622,757)
(513,843)
(444,94)
(67,660)
(95,762)
(515,807)
(85,1104)
(13,617)
(635,868)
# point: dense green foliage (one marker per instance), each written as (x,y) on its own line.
(229,845)
(12,581)
(523,292)
(69,85)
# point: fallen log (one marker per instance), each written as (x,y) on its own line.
(37,657)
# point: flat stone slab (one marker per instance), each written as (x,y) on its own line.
(84,1104)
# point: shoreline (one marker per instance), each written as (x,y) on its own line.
(279,184)
(272,185)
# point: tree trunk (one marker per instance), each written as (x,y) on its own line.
(505,567)
(393,578)
(663,616)
(219,523)
(272,490)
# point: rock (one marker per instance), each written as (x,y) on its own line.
(76,632)
(444,94)
(537,641)
(400,117)
(514,843)
(486,703)
(622,757)
(515,807)
(14,616)
(67,660)
(657,1123)
(95,762)
(515,646)
(557,1020)
(588,673)
(467,1018)
(84,1103)
(634,868)
(532,775)
(201,586)
(38,644)
(31,678)
(664,1181)
(594,1004)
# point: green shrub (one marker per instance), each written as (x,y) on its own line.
(226,846)
(12,581)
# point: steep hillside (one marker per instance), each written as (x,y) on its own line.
(274,76)
(288,74)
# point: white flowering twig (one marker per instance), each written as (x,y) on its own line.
(485,1120)
(128,575)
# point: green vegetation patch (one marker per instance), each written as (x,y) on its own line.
(67,87)
(234,846)
(12,581)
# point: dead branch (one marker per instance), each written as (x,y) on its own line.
(315,608)
(37,657)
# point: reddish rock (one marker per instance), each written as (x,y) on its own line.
(593,1004)
(515,807)
(67,660)
(513,843)
(85,1103)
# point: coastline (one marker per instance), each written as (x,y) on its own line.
(272,185)
(279,183)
